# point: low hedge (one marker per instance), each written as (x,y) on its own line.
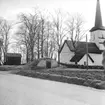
(91,83)
(66,79)
(85,74)
(100,85)
(81,66)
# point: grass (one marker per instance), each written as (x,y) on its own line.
(7,68)
(98,75)
(93,79)
(90,78)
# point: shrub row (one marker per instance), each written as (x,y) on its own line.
(81,66)
(60,78)
(86,74)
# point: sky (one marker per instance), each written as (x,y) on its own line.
(10,8)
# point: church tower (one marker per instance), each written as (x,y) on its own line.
(98,31)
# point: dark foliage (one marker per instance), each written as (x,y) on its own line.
(81,66)
(72,77)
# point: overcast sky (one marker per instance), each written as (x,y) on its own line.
(10,8)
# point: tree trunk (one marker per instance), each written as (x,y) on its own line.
(47,49)
(48,42)
(32,54)
(27,56)
(58,57)
(42,41)
(38,47)
(42,49)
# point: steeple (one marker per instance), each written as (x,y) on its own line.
(98,19)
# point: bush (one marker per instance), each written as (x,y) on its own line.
(100,85)
(91,83)
(75,80)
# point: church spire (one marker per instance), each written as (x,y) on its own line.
(98,19)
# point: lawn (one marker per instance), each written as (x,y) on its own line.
(90,74)
(90,78)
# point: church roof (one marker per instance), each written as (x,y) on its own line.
(98,19)
(81,50)
(78,57)
(81,47)
(13,55)
(92,48)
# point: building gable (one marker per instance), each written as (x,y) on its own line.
(83,60)
(65,48)
(78,57)
(66,54)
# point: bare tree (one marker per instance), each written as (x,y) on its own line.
(42,37)
(48,24)
(22,38)
(75,29)
(42,34)
(59,31)
(28,29)
(5,28)
(48,38)
(38,44)
(45,28)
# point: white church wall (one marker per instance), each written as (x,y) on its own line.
(96,57)
(84,59)
(96,37)
(66,55)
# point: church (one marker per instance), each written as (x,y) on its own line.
(95,47)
